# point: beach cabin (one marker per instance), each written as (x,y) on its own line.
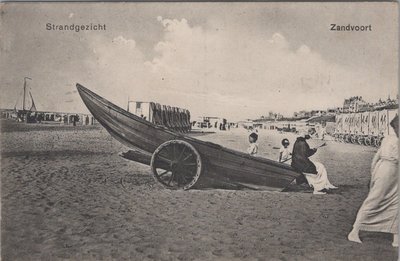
(141,109)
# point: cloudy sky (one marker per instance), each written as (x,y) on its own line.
(236,60)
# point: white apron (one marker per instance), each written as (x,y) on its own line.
(320,180)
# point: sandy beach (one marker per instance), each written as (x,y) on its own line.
(66,194)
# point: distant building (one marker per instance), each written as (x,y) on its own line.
(317,113)
(387,104)
(302,114)
(333,111)
(273,116)
(212,122)
(354,104)
(247,124)
(357,104)
(62,118)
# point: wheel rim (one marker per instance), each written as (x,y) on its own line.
(176,164)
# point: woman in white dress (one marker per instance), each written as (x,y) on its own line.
(379,211)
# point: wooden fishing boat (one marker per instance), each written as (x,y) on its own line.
(179,161)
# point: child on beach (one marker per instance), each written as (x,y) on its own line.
(284,153)
(253,148)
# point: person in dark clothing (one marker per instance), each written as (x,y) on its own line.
(312,172)
(300,156)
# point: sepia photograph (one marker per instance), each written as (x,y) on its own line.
(199,131)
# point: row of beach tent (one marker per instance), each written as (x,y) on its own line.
(372,123)
(176,119)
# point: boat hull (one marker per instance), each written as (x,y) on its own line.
(222,165)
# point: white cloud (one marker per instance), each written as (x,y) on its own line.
(118,68)
(224,73)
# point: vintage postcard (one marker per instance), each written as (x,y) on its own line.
(199,131)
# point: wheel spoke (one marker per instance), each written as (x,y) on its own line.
(165,154)
(187,157)
(180,178)
(174,151)
(183,150)
(184,177)
(181,171)
(162,174)
(171,178)
(188,173)
(165,160)
(189,164)
(185,180)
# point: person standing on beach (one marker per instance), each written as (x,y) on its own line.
(379,211)
(314,172)
(322,132)
(253,148)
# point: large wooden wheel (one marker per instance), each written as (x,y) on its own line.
(176,164)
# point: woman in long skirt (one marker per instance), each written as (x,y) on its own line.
(314,172)
(319,182)
(379,211)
